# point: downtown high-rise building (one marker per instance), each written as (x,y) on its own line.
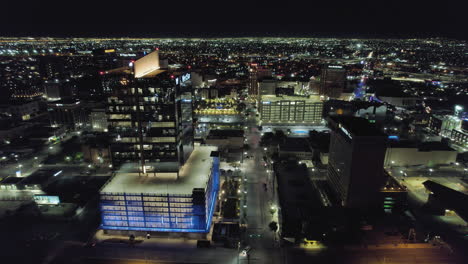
(162,183)
(356,159)
(332,81)
(150,116)
(253,80)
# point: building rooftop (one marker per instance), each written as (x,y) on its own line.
(64,102)
(39,177)
(357,126)
(392,185)
(225,133)
(11,180)
(274,98)
(421,146)
(194,174)
(295,145)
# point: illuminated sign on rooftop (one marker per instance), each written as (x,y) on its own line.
(147,64)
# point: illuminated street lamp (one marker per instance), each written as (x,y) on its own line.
(458,109)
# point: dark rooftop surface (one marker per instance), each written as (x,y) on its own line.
(357,126)
(421,146)
(450,198)
(226,133)
(295,144)
(42,131)
(392,185)
(39,177)
(11,180)
(297,198)
(67,101)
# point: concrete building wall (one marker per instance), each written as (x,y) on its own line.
(267,87)
(400,101)
(230,142)
(296,154)
(324,158)
(413,157)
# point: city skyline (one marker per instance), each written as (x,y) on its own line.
(268,150)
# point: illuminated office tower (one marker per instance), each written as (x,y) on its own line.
(332,81)
(355,162)
(163,183)
(150,115)
(253,81)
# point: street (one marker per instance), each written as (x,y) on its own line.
(259,202)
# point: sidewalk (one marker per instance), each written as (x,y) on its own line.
(392,246)
(153,242)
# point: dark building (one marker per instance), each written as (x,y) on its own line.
(332,81)
(105,59)
(253,87)
(57,90)
(394,196)
(150,115)
(356,158)
(68,113)
(51,67)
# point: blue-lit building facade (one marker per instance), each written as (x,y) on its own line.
(162,212)
(163,183)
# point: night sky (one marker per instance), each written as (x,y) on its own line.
(235,18)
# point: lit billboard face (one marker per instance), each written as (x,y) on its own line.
(147,64)
(46,199)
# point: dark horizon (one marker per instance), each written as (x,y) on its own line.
(210,31)
(362,19)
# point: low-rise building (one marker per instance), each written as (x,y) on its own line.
(295,147)
(291,109)
(226,138)
(97,151)
(163,203)
(410,153)
(22,110)
(66,113)
(98,118)
(460,137)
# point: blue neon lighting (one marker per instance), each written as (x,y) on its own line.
(301,131)
(147,212)
(393,137)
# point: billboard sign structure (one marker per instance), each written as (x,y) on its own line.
(46,199)
(147,64)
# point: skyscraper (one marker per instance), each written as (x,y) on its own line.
(253,82)
(150,116)
(356,158)
(332,81)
